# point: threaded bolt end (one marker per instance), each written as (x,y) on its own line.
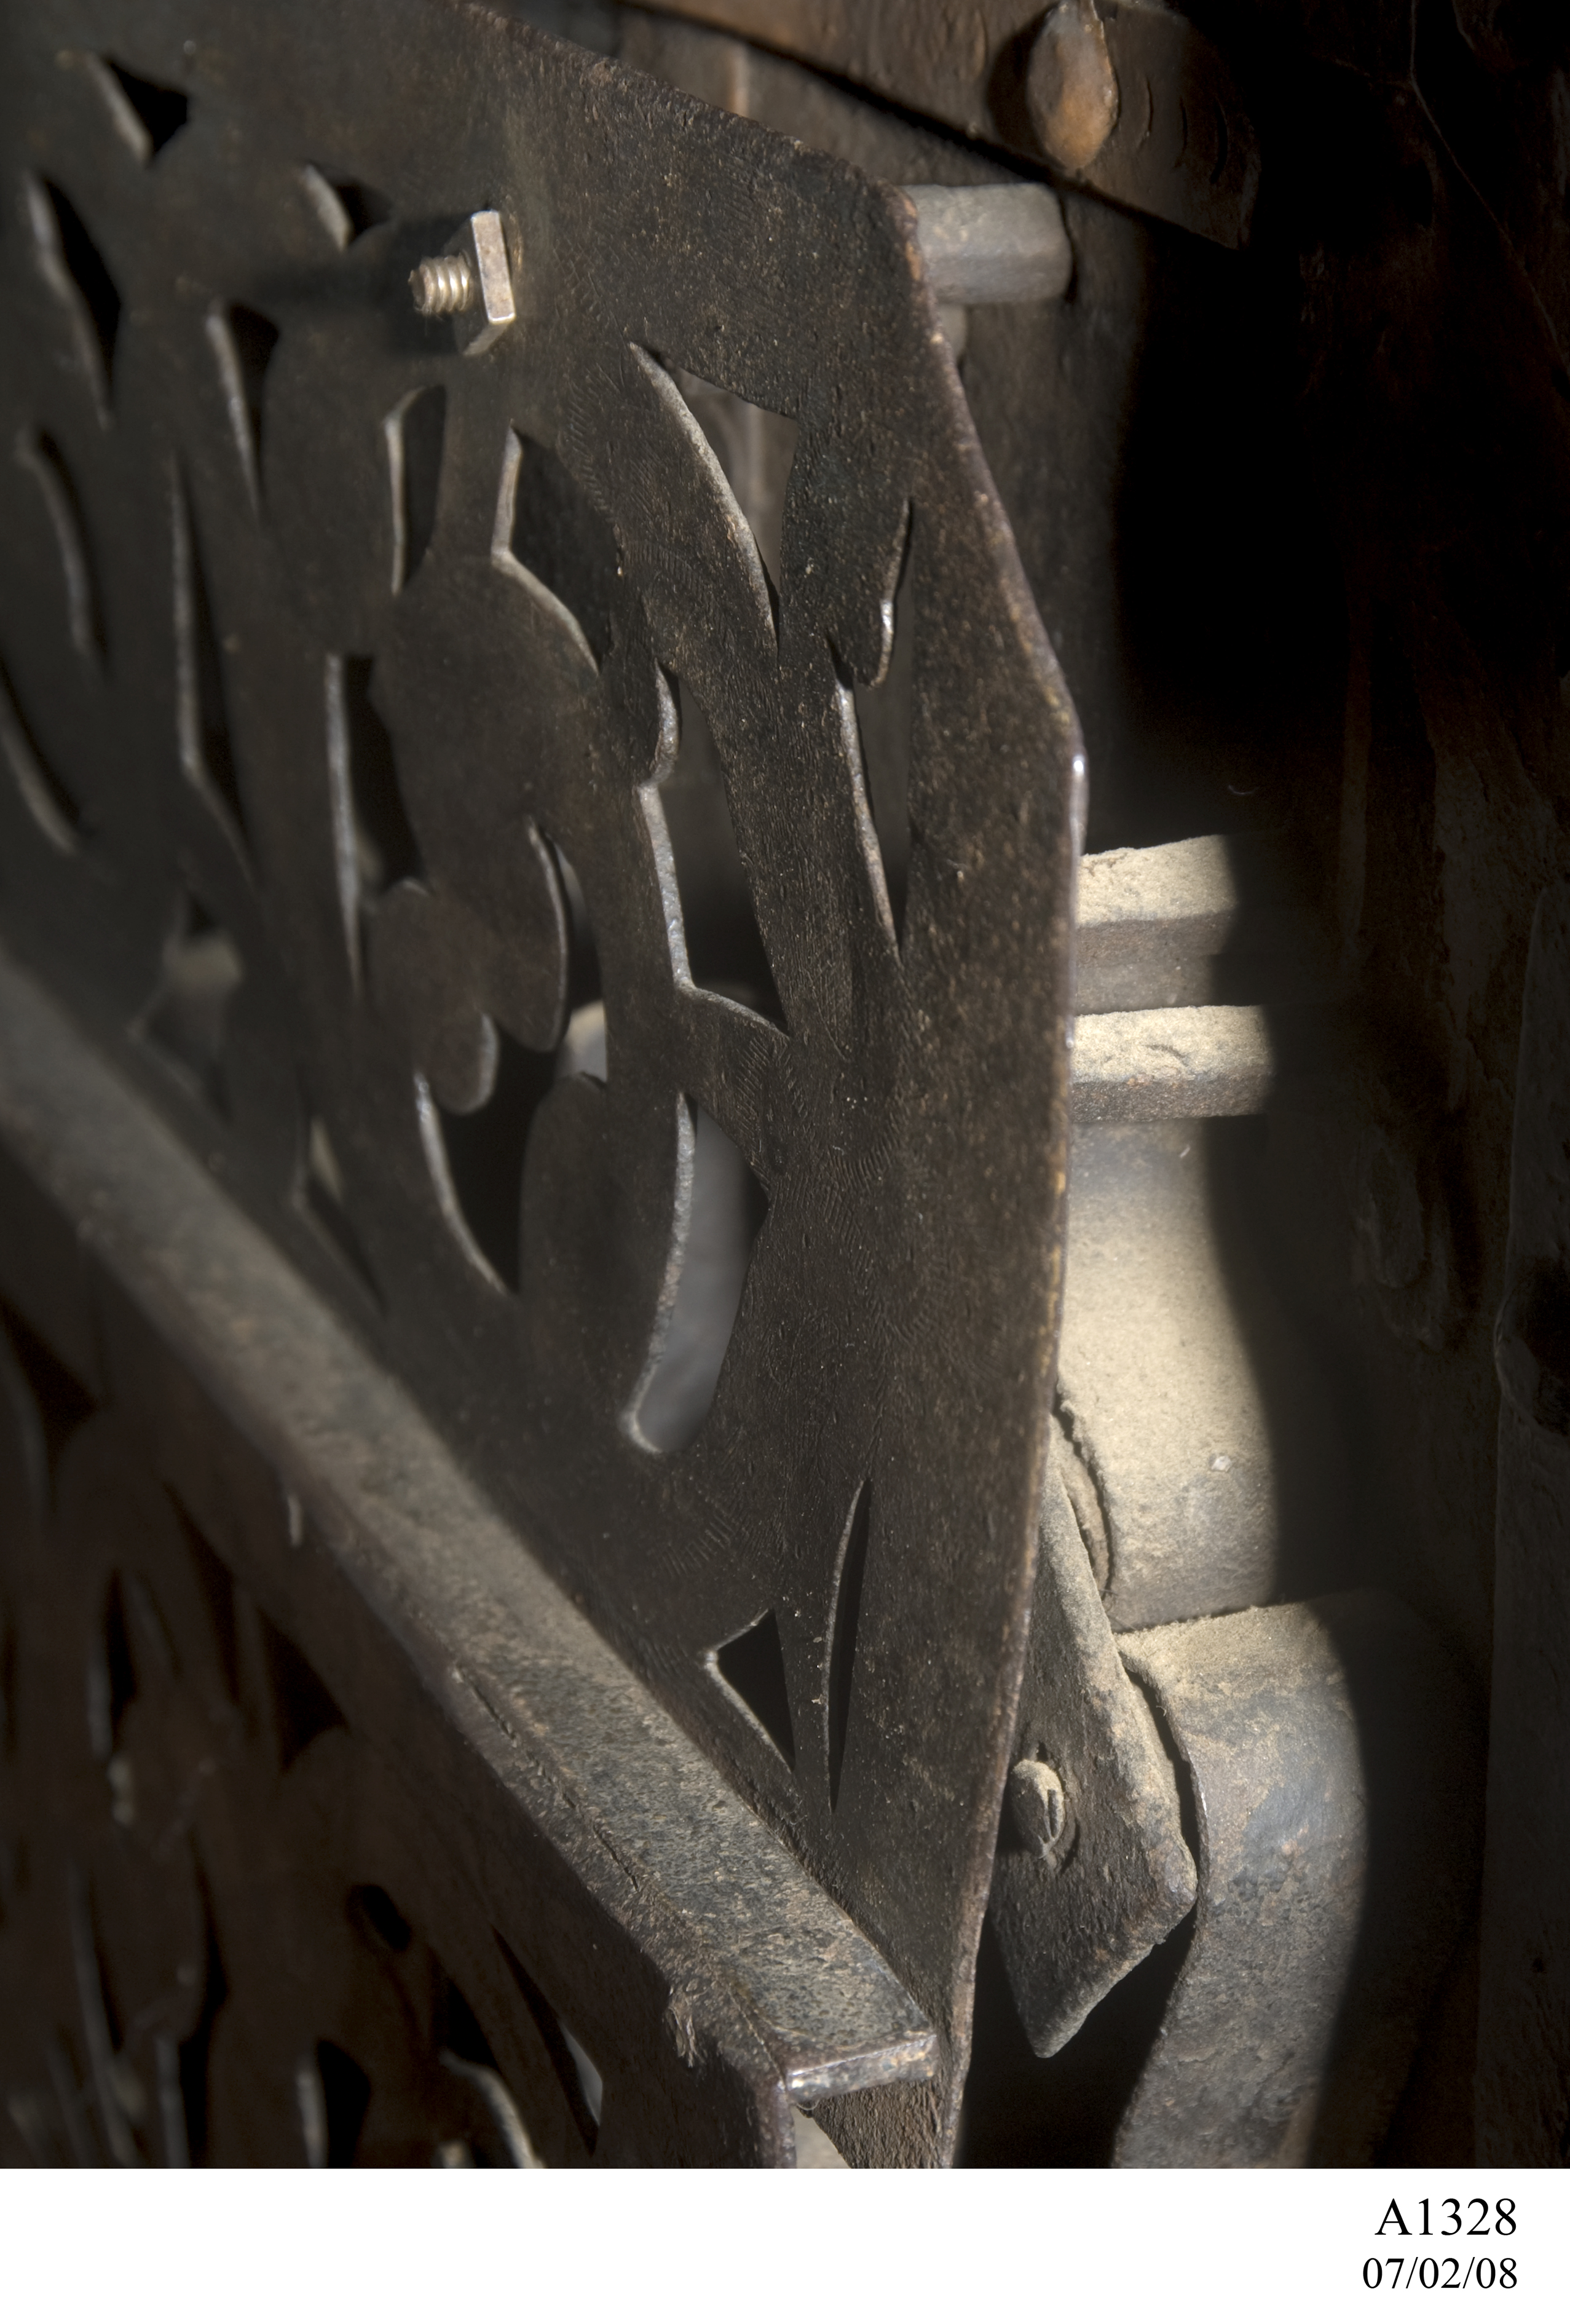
(442,286)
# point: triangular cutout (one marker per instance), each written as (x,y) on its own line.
(416,429)
(724,945)
(201,713)
(243,343)
(886,720)
(147,114)
(546,522)
(726,1207)
(302,1709)
(347,208)
(757,449)
(753,1667)
(61,1401)
(76,272)
(185,1021)
(373,1911)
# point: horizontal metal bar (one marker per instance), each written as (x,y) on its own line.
(1152,922)
(1172,1065)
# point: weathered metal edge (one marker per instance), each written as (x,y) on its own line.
(584,1756)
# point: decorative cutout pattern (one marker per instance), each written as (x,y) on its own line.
(146,113)
(752,1667)
(217,1969)
(464,660)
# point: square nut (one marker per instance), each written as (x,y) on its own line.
(484,243)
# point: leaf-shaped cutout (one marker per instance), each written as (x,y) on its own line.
(184,2076)
(335,2097)
(725,1210)
(415,429)
(243,343)
(184,1023)
(503,2141)
(546,525)
(206,754)
(475,1125)
(373,1911)
(51,805)
(74,270)
(39,456)
(884,721)
(752,1667)
(147,113)
(483,1153)
(347,207)
(679,489)
(757,449)
(724,948)
(373,841)
(112,1684)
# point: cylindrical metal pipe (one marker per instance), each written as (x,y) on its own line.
(992,245)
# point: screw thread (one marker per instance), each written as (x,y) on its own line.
(442,286)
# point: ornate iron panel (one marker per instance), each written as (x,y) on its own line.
(344,673)
(331,1829)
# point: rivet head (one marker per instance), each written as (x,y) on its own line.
(1070,87)
(1040,1808)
